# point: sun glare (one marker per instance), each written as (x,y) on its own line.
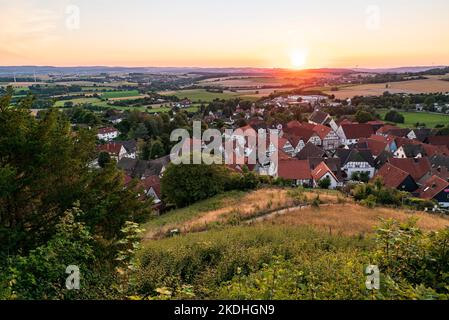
(298,59)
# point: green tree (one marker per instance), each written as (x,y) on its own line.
(394,116)
(103,159)
(185,184)
(324,183)
(362,116)
(157,149)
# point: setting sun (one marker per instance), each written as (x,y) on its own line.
(298,58)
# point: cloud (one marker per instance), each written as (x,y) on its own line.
(26,29)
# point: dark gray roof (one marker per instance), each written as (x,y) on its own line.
(310,151)
(382,158)
(354,155)
(423,133)
(439,161)
(413,150)
(143,168)
(129,145)
(318,117)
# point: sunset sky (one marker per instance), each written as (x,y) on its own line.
(225,33)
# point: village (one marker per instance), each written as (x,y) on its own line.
(415,160)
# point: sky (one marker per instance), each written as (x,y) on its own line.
(225,33)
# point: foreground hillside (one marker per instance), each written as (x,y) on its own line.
(335,212)
(289,244)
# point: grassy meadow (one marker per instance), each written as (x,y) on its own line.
(411,118)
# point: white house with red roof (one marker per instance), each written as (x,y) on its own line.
(115,150)
(107,133)
(321,172)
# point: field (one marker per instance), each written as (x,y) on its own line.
(431,85)
(120,94)
(77,101)
(411,118)
(201,95)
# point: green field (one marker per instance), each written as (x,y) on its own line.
(411,118)
(94,101)
(120,94)
(201,95)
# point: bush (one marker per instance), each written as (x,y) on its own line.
(394,116)
(185,184)
(324,183)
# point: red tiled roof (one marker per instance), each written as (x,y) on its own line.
(321,130)
(375,146)
(293,124)
(112,148)
(387,139)
(294,169)
(152,182)
(432,150)
(417,168)
(321,170)
(400,141)
(106,130)
(386,128)
(439,140)
(294,140)
(376,123)
(432,187)
(357,131)
(392,176)
(302,132)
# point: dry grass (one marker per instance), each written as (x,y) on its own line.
(352,219)
(249,206)
(253,202)
(431,85)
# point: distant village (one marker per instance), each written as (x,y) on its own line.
(413,160)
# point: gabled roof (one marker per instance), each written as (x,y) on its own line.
(129,145)
(111,148)
(152,182)
(357,130)
(294,169)
(375,146)
(399,132)
(294,140)
(321,170)
(439,161)
(292,124)
(382,158)
(422,133)
(155,166)
(107,130)
(432,187)
(310,151)
(321,131)
(392,176)
(385,129)
(302,132)
(355,155)
(432,150)
(417,168)
(439,140)
(319,117)
(400,141)
(143,168)
(413,150)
